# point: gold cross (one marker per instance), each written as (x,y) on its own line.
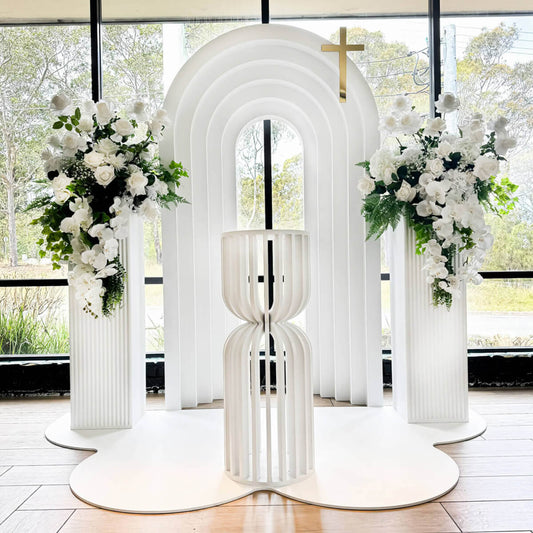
(342,48)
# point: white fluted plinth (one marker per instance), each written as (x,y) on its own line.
(429,344)
(270,444)
(107,355)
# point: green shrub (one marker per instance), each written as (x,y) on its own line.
(23,333)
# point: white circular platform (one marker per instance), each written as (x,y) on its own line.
(172,461)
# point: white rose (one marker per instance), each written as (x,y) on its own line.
(434,127)
(389,123)
(410,122)
(161,116)
(123,127)
(401,104)
(93,159)
(60,102)
(103,113)
(136,183)
(104,175)
(485,167)
(54,141)
(425,178)
(405,193)
(435,166)
(444,149)
(499,125)
(365,185)
(71,143)
(139,110)
(86,123)
(106,147)
(59,186)
(447,103)
(503,144)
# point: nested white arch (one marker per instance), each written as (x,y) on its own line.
(250,73)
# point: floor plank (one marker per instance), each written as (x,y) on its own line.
(508,432)
(470,489)
(509,419)
(35,522)
(11,498)
(19,442)
(495,466)
(37,475)
(506,408)
(496,470)
(488,448)
(53,497)
(491,516)
(258,519)
(18,429)
(44,456)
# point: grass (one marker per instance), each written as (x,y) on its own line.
(510,296)
(22,333)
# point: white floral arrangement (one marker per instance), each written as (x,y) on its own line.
(442,183)
(101,170)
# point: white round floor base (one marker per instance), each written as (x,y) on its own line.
(172,461)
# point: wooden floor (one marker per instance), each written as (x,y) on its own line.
(495,492)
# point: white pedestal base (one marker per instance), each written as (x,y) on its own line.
(171,461)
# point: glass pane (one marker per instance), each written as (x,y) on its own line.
(37,62)
(487,63)
(34,320)
(500,313)
(287,177)
(154,318)
(395,57)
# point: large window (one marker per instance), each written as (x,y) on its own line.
(487,61)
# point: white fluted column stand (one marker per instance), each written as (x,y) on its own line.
(273,444)
(107,355)
(429,344)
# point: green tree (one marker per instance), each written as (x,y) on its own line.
(390,68)
(35,63)
(133,64)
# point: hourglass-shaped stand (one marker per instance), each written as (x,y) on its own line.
(268,439)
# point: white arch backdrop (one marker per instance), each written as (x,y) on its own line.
(271,71)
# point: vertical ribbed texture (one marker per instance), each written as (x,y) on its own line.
(238,78)
(107,355)
(273,445)
(430,375)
